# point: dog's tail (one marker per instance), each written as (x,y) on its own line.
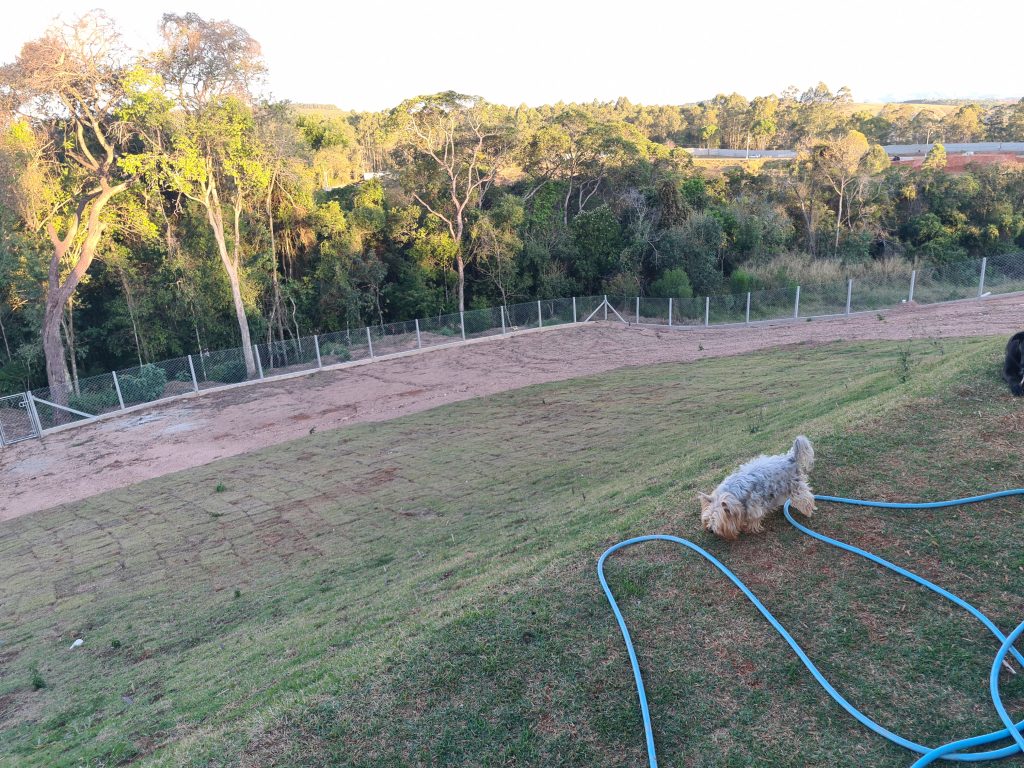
(802,453)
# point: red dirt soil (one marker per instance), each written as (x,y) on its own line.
(960,163)
(78,462)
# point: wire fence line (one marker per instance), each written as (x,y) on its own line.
(30,414)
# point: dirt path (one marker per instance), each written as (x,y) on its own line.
(77,463)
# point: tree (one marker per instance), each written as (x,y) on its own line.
(840,161)
(936,159)
(453,147)
(210,151)
(67,91)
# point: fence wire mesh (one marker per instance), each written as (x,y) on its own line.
(390,338)
(556,311)
(16,423)
(522,316)
(343,346)
(215,368)
(1004,273)
(688,311)
(879,292)
(440,329)
(946,282)
(727,309)
(772,304)
(823,299)
(587,305)
(653,311)
(480,323)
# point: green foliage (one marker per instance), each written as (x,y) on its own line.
(936,159)
(146,385)
(741,281)
(597,237)
(95,403)
(35,678)
(227,372)
(336,350)
(673,284)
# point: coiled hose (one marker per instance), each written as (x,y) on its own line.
(951,751)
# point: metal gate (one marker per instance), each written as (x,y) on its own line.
(17,419)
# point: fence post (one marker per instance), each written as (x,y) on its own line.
(117,388)
(369,340)
(33,413)
(573,310)
(748,307)
(913,279)
(462,324)
(419,341)
(503,316)
(540,315)
(796,304)
(606,306)
(981,281)
(192,370)
(670,311)
(316,346)
(707,311)
(849,294)
(638,310)
(259,362)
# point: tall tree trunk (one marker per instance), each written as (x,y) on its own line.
(131,313)
(460,263)
(839,219)
(3,333)
(215,215)
(57,376)
(68,323)
(278,310)
(59,292)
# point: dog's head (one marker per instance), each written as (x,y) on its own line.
(721,513)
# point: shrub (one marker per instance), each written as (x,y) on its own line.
(335,349)
(741,281)
(95,402)
(228,372)
(673,284)
(145,386)
(477,320)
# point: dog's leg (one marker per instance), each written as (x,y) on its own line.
(803,499)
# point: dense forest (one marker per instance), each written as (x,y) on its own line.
(156,204)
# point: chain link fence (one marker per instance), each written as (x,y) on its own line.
(26,415)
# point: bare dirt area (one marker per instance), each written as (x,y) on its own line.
(75,463)
(958,163)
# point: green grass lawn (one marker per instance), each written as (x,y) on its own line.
(423,592)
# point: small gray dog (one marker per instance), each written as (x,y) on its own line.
(741,501)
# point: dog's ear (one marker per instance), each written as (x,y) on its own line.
(729,518)
(705,501)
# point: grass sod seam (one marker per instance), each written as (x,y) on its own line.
(533,458)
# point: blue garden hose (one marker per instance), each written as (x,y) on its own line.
(951,751)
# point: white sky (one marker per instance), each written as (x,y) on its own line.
(370,54)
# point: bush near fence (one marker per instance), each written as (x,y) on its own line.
(211,369)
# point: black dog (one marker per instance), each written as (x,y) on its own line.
(1013,368)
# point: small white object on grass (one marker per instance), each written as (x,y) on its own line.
(76,644)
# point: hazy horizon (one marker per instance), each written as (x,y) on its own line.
(369,57)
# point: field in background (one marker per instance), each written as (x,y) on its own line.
(422,591)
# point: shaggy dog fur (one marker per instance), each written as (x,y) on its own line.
(761,485)
(1013,366)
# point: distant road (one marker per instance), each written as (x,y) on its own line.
(892,149)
